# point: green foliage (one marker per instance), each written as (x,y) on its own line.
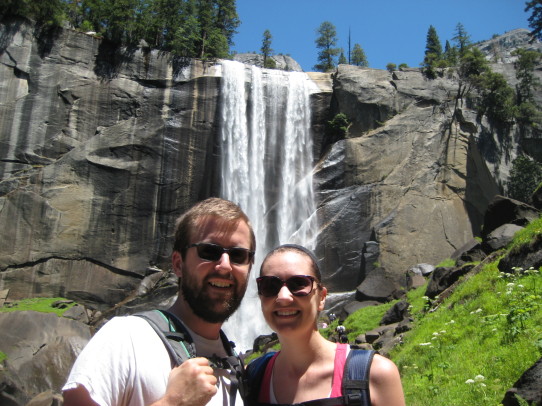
(342,58)
(535,19)
(448,262)
(44,12)
(528,114)
(526,235)
(365,319)
(337,127)
(270,63)
(358,56)
(473,65)
(460,353)
(525,66)
(403,66)
(450,54)
(189,28)
(432,44)
(462,40)
(326,42)
(266,49)
(3,357)
(525,176)
(497,98)
(391,67)
(38,304)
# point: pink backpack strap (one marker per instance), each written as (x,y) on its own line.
(340,360)
(265,388)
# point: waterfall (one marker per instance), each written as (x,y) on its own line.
(266,168)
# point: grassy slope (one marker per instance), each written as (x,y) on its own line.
(474,345)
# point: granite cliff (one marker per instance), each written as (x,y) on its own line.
(102,149)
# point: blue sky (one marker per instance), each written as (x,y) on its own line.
(387,30)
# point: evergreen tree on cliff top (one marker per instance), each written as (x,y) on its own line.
(190,28)
(358,56)
(326,43)
(433,53)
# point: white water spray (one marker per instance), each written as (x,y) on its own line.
(266,168)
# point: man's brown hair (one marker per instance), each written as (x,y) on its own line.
(229,214)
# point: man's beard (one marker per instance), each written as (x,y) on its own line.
(204,307)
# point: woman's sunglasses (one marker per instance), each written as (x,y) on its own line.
(213,252)
(299,285)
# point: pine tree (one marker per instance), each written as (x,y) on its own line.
(433,45)
(433,53)
(450,54)
(342,58)
(266,46)
(535,20)
(462,39)
(358,56)
(326,42)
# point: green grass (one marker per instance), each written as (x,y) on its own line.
(2,357)
(38,304)
(472,347)
(448,262)
(528,234)
(473,336)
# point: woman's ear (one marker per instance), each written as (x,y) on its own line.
(177,263)
(323,294)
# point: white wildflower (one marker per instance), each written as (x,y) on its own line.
(469,381)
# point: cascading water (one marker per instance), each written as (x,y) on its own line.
(267,169)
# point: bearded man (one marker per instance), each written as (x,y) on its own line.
(126,363)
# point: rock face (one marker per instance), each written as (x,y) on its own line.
(282,62)
(40,349)
(102,152)
(104,149)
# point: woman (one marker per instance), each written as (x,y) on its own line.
(308,367)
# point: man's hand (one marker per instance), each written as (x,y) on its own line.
(192,383)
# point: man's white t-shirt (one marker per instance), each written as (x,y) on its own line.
(126,364)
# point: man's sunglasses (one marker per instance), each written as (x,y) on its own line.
(213,252)
(299,285)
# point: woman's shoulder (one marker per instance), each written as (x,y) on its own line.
(383,369)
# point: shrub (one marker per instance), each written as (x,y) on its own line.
(525,177)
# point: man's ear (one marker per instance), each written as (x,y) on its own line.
(177,263)
(323,294)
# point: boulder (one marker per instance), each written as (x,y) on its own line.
(397,313)
(500,237)
(443,277)
(379,287)
(524,257)
(40,350)
(282,62)
(471,251)
(422,269)
(528,387)
(503,210)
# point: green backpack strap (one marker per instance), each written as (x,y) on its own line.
(180,347)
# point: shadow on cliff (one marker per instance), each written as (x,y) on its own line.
(112,57)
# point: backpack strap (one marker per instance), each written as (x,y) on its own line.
(181,347)
(175,337)
(355,385)
(255,373)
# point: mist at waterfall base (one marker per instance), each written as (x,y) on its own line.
(266,165)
